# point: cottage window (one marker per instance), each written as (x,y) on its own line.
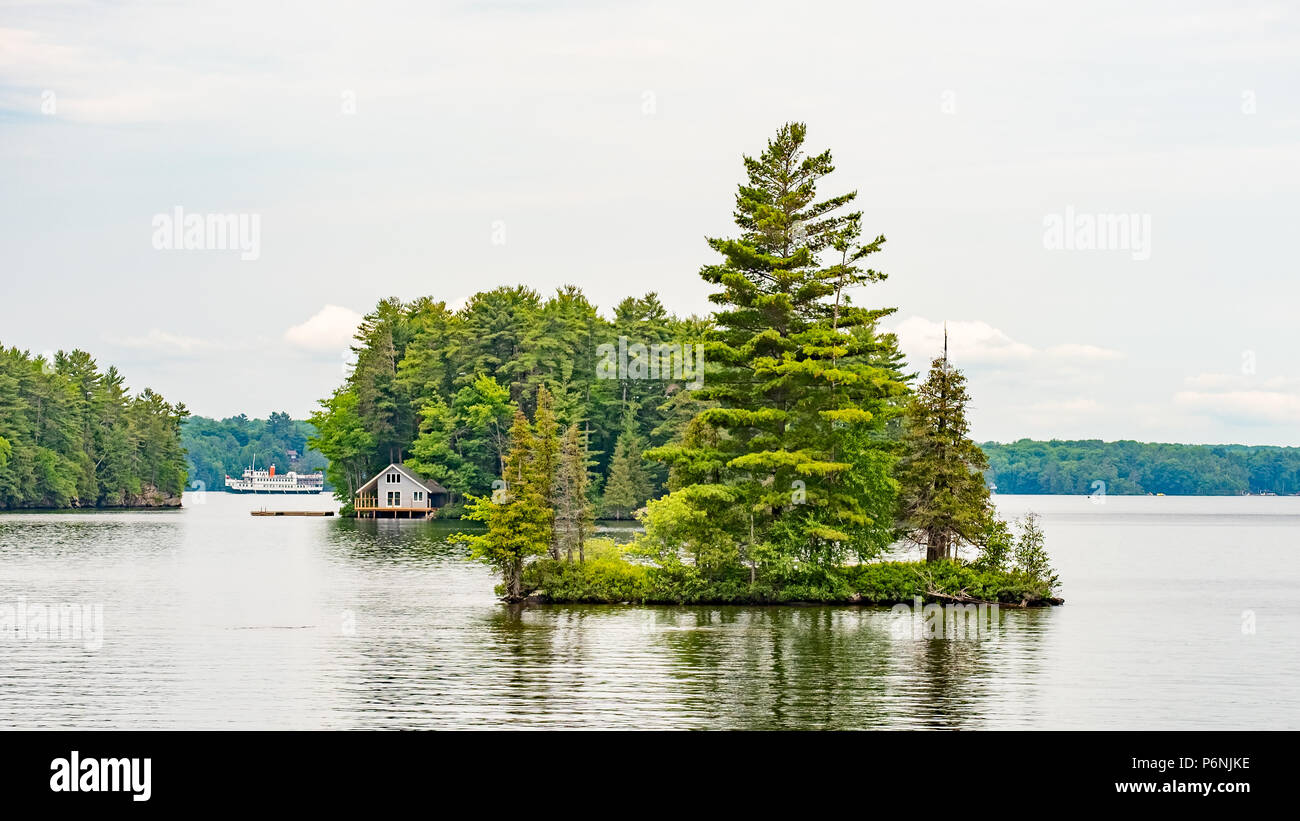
(394,498)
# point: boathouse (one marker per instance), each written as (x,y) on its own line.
(396,492)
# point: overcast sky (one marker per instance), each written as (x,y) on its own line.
(390,148)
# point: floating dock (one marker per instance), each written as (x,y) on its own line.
(293,513)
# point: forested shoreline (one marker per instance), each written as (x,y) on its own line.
(1138,468)
(72,436)
(217,448)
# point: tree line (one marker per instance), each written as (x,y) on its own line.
(217,448)
(438,389)
(803,444)
(72,435)
(1127,468)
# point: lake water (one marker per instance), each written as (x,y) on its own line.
(1180,613)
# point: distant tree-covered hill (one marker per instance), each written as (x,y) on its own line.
(216,449)
(1127,468)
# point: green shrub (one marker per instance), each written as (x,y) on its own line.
(609,578)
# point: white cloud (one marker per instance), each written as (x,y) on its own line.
(1212,381)
(1073,407)
(331,329)
(969,341)
(163,342)
(1075,351)
(973,342)
(1243,406)
(1239,382)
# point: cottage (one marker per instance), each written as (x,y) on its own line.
(396,492)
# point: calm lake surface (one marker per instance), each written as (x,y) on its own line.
(216,619)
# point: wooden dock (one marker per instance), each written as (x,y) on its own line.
(293,513)
(369,510)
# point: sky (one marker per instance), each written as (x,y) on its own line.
(1098,199)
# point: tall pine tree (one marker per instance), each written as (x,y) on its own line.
(944,500)
(573,514)
(545,460)
(798,387)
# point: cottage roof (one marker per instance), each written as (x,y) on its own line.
(428,484)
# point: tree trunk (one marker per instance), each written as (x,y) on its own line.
(936,547)
(514,581)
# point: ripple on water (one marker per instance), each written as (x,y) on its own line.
(215,619)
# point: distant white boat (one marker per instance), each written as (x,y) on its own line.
(266,481)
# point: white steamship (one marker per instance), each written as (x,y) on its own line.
(267,481)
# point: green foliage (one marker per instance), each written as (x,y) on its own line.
(1128,468)
(610,579)
(518,516)
(544,457)
(628,485)
(944,501)
(1030,555)
(701,522)
(342,436)
(215,449)
(573,510)
(71,436)
(803,386)
(790,463)
(463,446)
(995,545)
(438,388)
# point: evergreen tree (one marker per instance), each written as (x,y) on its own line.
(545,461)
(384,404)
(628,484)
(558,343)
(944,502)
(74,437)
(573,515)
(464,446)
(426,368)
(1030,554)
(797,389)
(518,517)
(491,334)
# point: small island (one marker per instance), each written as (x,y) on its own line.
(777,451)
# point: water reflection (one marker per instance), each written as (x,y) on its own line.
(215,619)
